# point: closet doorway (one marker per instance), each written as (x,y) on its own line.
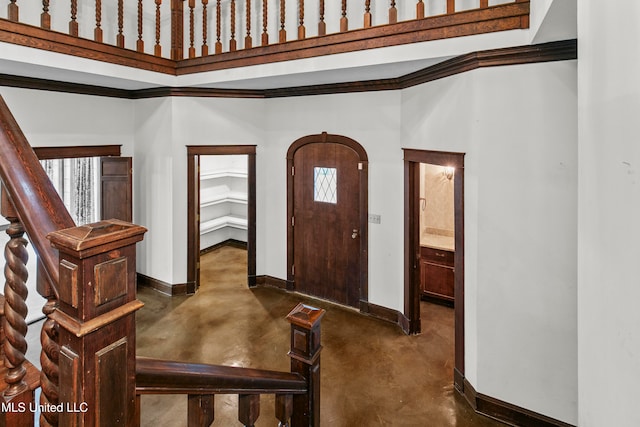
(432,255)
(221,192)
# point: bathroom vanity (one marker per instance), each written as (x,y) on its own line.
(436,268)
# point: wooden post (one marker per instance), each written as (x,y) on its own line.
(157,49)
(248,41)
(205,22)
(45,17)
(120,35)
(97,32)
(192,48)
(420,10)
(344,21)
(17,394)
(301,29)
(393,13)
(282,35)
(305,360)
(265,14)
(140,42)
(97,297)
(367,13)
(322,26)
(177,29)
(73,23)
(232,42)
(12,11)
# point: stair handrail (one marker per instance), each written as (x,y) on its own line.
(36,201)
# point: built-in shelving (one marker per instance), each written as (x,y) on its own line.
(223,199)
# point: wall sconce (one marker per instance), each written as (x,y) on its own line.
(448,172)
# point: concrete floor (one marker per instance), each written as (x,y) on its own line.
(371,373)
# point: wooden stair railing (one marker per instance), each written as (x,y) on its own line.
(90,375)
(297,393)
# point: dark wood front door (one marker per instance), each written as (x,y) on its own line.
(329,235)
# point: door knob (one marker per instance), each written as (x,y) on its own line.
(354,233)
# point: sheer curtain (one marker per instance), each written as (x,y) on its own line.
(76,183)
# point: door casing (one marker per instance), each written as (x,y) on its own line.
(324,137)
(193,208)
(412,160)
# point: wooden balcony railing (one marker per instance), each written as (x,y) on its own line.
(90,374)
(203,35)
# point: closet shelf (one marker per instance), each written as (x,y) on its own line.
(230,196)
(233,173)
(221,222)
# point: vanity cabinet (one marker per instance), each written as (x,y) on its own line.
(436,274)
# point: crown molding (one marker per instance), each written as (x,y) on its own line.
(553,51)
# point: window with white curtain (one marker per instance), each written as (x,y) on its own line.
(77,181)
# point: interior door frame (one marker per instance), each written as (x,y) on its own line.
(321,138)
(193,208)
(412,160)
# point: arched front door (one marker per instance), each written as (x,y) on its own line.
(327,210)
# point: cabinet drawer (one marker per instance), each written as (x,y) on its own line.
(438,256)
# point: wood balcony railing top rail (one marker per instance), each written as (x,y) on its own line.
(116,31)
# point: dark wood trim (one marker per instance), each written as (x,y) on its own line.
(163,287)
(325,137)
(464,23)
(53,41)
(382,313)
(45,153)
(507,412)
(270,281)
(229,242)
(412,159)
(545,52)
(65,87)
(193,222)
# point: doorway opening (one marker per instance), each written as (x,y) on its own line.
(221,208)
(434,254)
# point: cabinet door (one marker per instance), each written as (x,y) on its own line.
(436,280)
(115,188)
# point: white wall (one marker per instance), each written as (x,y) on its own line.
(520,232)
(609,208)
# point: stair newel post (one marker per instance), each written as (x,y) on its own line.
(96,314)
(17,394)
(305,360)
(49,352)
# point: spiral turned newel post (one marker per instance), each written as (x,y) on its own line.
(49,355)
(14,325)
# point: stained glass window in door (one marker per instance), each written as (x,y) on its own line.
(324,185)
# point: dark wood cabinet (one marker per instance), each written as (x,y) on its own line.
(436,274)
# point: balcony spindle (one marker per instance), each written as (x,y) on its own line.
(420,10)
(177,29)
(73,24)
(248,42)
(205,21)
(45,17)
(283,33)
(322,26)
(248,409)
(14,323)
(265,17)
(97,32)
(344,22)
(484,4)
(393,13)
(140,42)
(218,27)
(157,49)
(192,24)
(367,14)
(49,355)
(301,29)
(284,409)
(232,43)
(120,36)
(451,6)
(200,410)
(13,11)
